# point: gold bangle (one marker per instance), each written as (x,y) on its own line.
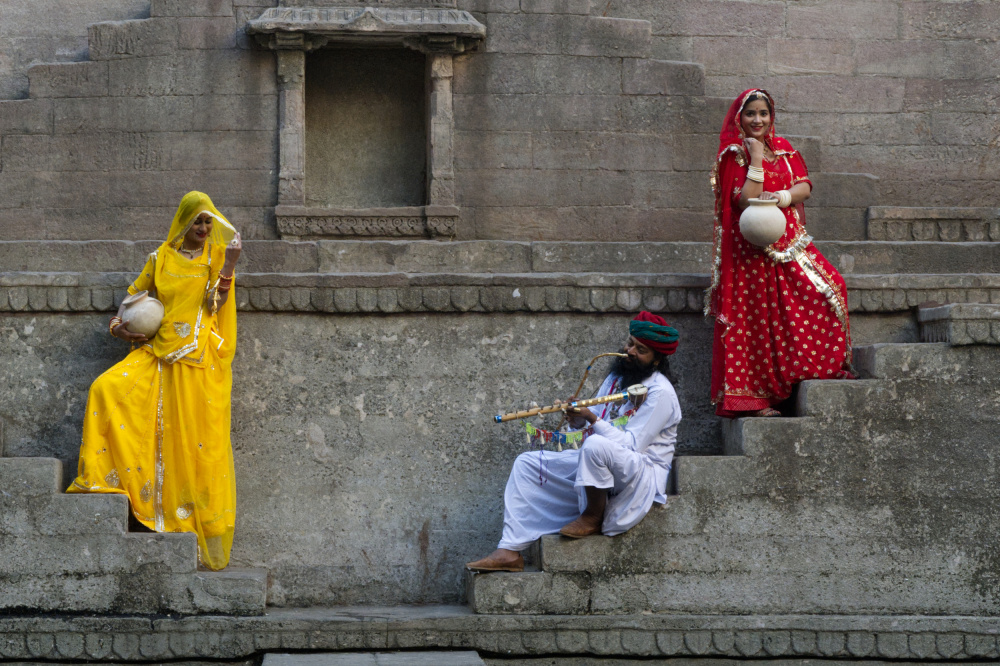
(113,324)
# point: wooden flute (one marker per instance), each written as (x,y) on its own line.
(636,393)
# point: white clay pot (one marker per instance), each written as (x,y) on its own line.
(143,314)
(762,222)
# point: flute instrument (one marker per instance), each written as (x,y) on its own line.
(636,393)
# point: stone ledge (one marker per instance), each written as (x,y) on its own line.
(477,292)
(956,224)
(333,254)
(122,639)
(961,324)
(310,28)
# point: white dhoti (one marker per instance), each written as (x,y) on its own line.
(545,490)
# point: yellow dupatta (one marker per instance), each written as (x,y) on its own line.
(157,424)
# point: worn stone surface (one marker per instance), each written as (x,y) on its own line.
(575,121)
(379,257)
(412,428)
(464,658)
(605,639)
(781,524)
(966,324)
(71,553)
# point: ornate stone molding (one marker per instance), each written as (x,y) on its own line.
(473,292)
(308,28)
(958,224)
(961,324)
(138,639)
(300,223)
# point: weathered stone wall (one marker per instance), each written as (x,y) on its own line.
(906,90)
(368,466)
(51,31)
(105,147)
(577,119)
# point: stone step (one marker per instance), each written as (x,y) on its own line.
(149,591)
(232,591)
(462,257)
(954,224)
(916,361)
(840,398)
(30,477)
(98,554)
(527,592)
(716,476)
(454,658)
(64,514)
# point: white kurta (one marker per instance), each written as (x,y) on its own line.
(545,488)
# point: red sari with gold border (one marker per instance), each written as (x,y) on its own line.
(781,311)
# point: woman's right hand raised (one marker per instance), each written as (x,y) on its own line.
(755,150)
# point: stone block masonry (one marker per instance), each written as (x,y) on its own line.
(367,371)
(564,124)
(875,76)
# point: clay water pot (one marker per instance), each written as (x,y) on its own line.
(142,314)
(762,222)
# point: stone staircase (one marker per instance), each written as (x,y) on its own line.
(875,498)
(750,531)
(71,553)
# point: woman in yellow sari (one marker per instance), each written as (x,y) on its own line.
(157,423)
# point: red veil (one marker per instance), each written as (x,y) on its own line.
(727,176)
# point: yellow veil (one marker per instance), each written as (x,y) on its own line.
(192,205)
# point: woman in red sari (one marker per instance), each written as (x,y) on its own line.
(780,311)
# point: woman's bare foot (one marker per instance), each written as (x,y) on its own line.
(500,559)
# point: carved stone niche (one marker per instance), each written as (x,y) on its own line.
(361,34)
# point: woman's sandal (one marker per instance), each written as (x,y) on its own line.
(767,411)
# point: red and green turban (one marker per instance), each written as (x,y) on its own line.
(654,332)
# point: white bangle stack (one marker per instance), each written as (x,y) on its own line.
(784,198)
(756,174)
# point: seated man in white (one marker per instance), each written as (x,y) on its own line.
(609,484)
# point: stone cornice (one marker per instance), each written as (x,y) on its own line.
(310,28)
(125,639)
(476,292)
(961,324)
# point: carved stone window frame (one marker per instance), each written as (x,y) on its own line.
(438,33)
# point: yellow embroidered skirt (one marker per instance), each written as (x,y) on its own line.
(159,433)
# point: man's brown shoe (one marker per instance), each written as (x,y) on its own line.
(581,527)
(494,563)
